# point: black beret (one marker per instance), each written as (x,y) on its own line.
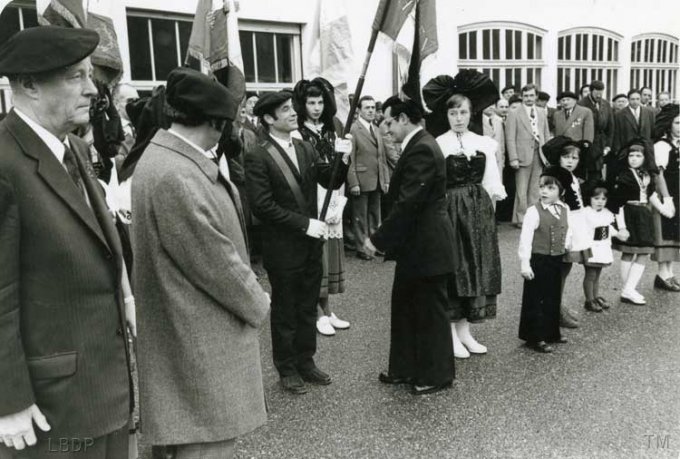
(514,98)
(597,84)
(543,95)
(562,175)
(507,88)
(195,94)
(45,48)
(564,94)
(619,96)
(271,100)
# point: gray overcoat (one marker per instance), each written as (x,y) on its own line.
(199,304)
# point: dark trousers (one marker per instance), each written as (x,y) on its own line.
(295,294)
(540,315)
(365,216)
(110,446)
(420,336)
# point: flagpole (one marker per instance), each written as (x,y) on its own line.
(352,110)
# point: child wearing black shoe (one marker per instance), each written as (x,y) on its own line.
(601,222)
(544,240)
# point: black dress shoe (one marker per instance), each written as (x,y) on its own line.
(593,306)
(293,384)
(602,302)
(667,284)
(364,256)
(387,378)
(316,376)
(424,390)
(541,347)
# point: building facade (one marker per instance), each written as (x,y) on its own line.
(556,46)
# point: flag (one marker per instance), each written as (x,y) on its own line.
(106,59)
(64,13)
(214,45)
(329,48)
(107,55)
(412,24)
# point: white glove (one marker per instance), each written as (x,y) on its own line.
(317,229)
(669,207)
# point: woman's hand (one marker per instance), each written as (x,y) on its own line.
(623,235)
(526,271)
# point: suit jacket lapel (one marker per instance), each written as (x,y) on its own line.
(54,173)
(97,199)
(301,158)
(367,134)
(525,118)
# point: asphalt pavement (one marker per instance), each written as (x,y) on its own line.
(611,392)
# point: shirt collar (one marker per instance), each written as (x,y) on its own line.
(528,109)
(409,136)
(207,153)
(286,145)
(366,124)
(547,206)
(55,145)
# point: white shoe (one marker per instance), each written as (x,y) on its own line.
(633,297)
(459,351)
(338,323)
(473,346)
(323,326)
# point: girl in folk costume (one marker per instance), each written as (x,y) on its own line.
(544,241)
(667,223)
(315,104)
(600,220)
(633,191)
(565,153)
(473,182)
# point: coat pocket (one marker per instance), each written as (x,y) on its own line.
(53,366)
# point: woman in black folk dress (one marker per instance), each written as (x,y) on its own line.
(473,182)
(667,227)
(316,108)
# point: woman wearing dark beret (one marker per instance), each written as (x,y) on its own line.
(666,231)
(315,105)
(473,181)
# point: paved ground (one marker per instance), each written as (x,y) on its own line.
(611,392)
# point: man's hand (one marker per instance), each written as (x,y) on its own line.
(369,247)
(514,164)
(16,430)
(355,191)
(606,151)
(317,229)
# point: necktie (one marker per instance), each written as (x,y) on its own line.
(534,124)
(72,168)
(568,113)
(637,115)
(370,128)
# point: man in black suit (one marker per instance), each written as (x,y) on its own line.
(281,179)
(63,354)
(603,121)
(419,236)
(636,120)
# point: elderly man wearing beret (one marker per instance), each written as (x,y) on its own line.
(281,178)
(603,130)
(199,355)
(63,354)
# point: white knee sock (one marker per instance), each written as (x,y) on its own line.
(625,270)
(634,276)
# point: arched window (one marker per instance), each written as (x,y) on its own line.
(511,53)
(16,16)
(654,62)
(585,54)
